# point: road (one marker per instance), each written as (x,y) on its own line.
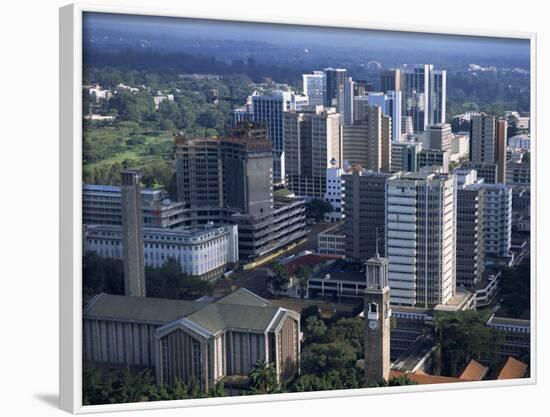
(255,280)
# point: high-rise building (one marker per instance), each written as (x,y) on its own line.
(420,243)
(314,87)
(335,79)
(439,137)
(377,314)
(390,103)
(391,80)
(312,139)
(270,109)
(488,143)
(498,224)
(368,143)
(241,163)
(470,229)
(199,172)
(132,235)
(362,87)
(364,207)
(424,95)
(347,109)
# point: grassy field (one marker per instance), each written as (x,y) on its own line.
(108,149)
(125,144)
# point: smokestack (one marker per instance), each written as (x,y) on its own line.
(132,234)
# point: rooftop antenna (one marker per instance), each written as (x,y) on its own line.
(377,254)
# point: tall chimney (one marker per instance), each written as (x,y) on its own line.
(132,234)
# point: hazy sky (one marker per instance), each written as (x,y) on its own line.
(292,35)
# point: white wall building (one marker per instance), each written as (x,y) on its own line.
(421,238)
(498,220)
(520,142)
(314,87)
(333,194)
(202,251)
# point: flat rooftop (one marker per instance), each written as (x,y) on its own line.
(342,270)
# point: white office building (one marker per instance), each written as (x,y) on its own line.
(421,238)
(206,251)
(497,215)
(333,194)
(314,87)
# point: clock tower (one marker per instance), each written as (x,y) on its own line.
(377,314)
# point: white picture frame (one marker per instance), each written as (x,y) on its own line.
(70,153)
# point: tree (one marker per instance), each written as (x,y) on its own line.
(350,330)
(314,329)
(463,336)
(320,358)
(263,378)
(401,380)
(516,290)
(303,273)
(168,125)
(316,209)
(169,281)
(309,311)
(278,278)
(132,386)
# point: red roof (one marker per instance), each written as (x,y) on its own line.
(310,260)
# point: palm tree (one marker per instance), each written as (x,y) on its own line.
(263,378)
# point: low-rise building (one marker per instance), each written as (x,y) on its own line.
(206,252)
(185,340)
(332,241)
(516,340)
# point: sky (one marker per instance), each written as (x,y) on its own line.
(293,35)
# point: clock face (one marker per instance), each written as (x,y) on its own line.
(373,324)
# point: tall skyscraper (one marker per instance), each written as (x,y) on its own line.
(347,108)
(335,79)
(199,172)
(421,233)
(270,109)
(377,314)
(470,228)
(498,224)
(391,107)
(248,185)
(132,235)
(368,143)
(312,139)
(248,188)
(488,143)
(314,87)
(391,80)
(364,207)
(424,96)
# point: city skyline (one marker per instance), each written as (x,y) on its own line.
(247,212)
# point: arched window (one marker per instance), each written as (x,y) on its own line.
(373,308)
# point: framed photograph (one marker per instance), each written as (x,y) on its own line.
(262,210)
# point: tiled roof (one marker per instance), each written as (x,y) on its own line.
(422,378)
(474,371)
(512,369)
